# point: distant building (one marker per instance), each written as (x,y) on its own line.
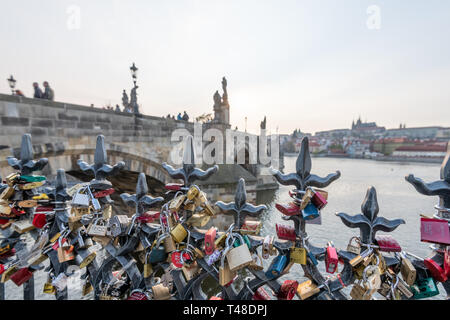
(387,146)
(417,132)
(421,151)
(366,129)
(337,133)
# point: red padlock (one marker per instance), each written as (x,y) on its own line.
(17,212)
(215,298)
(261,294)
(318,199)
(44,209)
(39,220)
(331,259)
(287,290)
(210,238)
(137,296)
(285,232)
(435,269)
(4,221)
(21,276)
(2,268)
(434,230)
(148,217)
(103,193)
(289,209)
(387,243)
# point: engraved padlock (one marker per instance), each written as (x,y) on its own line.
(239,257)
(226,276)
(356,249)
(118,225)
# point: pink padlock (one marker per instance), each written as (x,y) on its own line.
(285,232)
(387,243)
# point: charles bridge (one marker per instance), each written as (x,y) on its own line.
(64,133)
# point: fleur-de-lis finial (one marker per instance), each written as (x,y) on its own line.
(440,188)
(303,178)
(26,164)
(240,208)
(189,173)
(368,222)
(141,201)
(100,168)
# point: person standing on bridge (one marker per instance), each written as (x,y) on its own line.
(179,117)
(37,91)
(49,94)
(185,116)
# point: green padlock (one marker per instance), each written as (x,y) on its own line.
(33,178)
(425,288)
(157,254)
(237,242)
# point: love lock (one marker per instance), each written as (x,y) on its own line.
(85,257)
(239,257)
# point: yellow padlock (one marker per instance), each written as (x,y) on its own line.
(31,185)
(298,255)
(49,288)
(192,192)
(178,233)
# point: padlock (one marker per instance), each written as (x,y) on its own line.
(404,289)
(356,249)
(137,295)
(41,196)
(210,238)
(31,185)
(118,225)
(297,255)
(169,244)
(239,257)
(408,271)
(287,290)
(306,198)
(38,259)
(176,203)
(276,267)
(372,282)
(27,203)
(319,198)
(358,292)
(193,192)
(265,247)
(179,233)
(307,289)
(84,257)
(107,212)
(220,242)
(251,227)
(103,193)
(5,209)
(32,178)
(434,231)
(447,261)
(310,212)
(94,229)
(60,282)
(361,257)
(331,259)
(12,178)
(215,256)
(198,220)
(289,209)
(200,200)
(157,254)
(387,243)
(254,265)
(39,220)
(189,206)
(148,270)
(226,275)
(424,288)
(7,193)
(6,275)
(49,288)
(102,240)
(191,271)
(285,232)
(80,199)
(87,288)
(65,253)
(21,276)
(161,292)
(209,209)
(312,258)
(22,226)
(261,294)
(437,272)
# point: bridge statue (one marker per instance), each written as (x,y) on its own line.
(133,100)
(125,99)
(221,105)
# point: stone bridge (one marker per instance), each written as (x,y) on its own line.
(64,133)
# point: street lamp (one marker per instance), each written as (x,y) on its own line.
(134,71)
(12,83)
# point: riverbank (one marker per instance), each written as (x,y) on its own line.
(383,158)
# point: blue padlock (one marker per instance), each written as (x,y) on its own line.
(310,212)
(313,259)
(157,255)
(276,267)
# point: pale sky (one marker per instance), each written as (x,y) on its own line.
(313,65)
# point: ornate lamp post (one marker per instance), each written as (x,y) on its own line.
(12,84)
(133,95)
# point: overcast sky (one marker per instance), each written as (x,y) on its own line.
(313,65)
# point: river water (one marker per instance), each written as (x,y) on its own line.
(396,199)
